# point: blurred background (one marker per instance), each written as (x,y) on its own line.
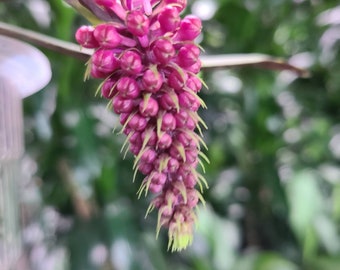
(273,138)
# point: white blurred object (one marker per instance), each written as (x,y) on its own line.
(121,254)
(330,16)
(98,255)
(205,10)
(24,66)
(23,71)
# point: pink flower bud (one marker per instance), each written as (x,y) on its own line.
(158,201)
(175,154)
(131,62)
(194,84)
(195,68)
(155,188)
(145,168)
(188,55)
(121,105)
(177,80)
(163,51)
(190,181)
(190,28)
(190,124)
(108,89)
(167,101)
(152,81)
(123,118)
(85,37)
(168,122)
(166,211)
(192,198)
(173,165)
(148,156)
(191,156)
(128,87)
(136,138)
(169,19)
(104,61)
(96,73)
(137,23)
(160,163)
(184,120)
(149,107)
(189,101)
(158,178)
(164,141)
(107,36)
(184,170)
(127,130)
(135,149)
(138,122)
(178,4)
(186,140)
(152,137)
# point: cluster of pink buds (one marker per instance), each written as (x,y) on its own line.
(149,62)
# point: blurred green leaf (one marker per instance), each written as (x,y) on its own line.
(304,199)
(305,202)
(324,263)
(246,261)
(221,236)
(267,261)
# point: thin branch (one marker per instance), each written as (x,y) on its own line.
(251,59)
(45,41)
(208,62)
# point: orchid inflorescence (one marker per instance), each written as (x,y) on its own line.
(149,61)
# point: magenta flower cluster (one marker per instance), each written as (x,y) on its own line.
(149,62)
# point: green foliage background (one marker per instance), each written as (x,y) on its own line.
(274,147)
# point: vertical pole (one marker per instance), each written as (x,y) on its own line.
(11,151)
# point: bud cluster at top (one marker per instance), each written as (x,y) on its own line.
(148,61)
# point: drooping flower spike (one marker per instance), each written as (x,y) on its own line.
(148,60)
